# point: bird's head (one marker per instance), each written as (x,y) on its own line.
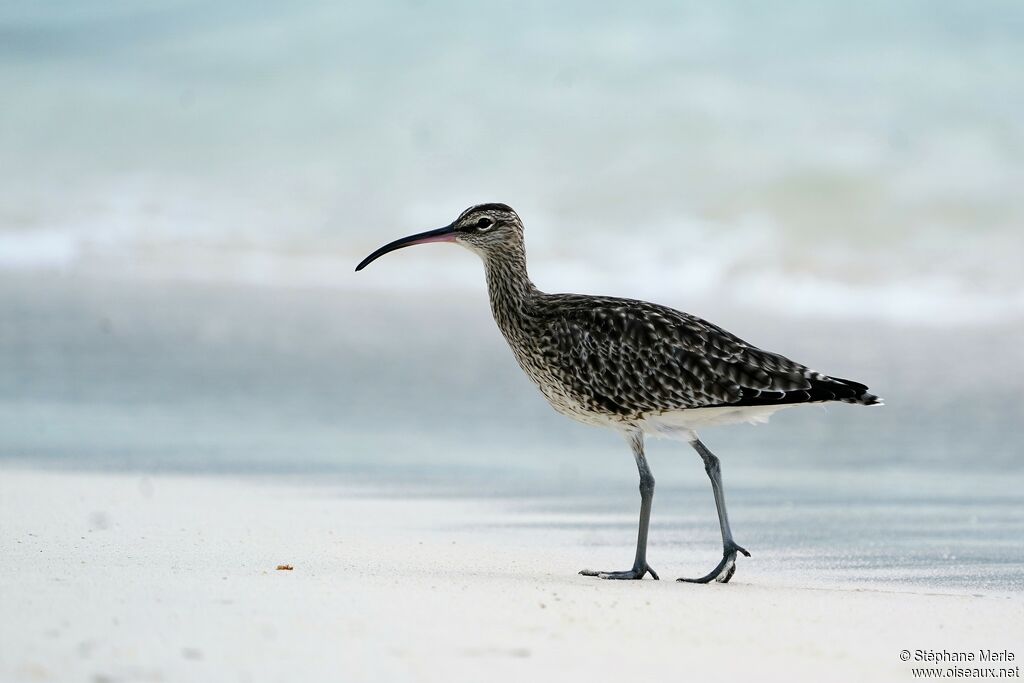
(486,229)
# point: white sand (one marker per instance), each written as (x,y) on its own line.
(125,578)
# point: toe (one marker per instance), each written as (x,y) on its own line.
(730,569)
(619,576)
(723,572)
(733,548)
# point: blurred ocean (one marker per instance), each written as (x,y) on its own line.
(185,189)
(841,159)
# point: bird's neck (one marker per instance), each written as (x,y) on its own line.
(508,285)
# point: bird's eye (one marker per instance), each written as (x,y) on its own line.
(484,224)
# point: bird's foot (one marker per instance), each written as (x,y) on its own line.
(725,569)
(634,574)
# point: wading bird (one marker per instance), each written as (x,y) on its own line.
(636,367)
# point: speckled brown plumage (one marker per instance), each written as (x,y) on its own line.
(631,358)
(602,358)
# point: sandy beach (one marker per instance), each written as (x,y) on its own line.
(226,455)
(122,577)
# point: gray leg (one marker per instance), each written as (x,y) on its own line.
(640,566)
(727,567)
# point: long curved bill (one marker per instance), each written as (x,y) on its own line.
(445,234)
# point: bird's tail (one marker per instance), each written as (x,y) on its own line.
(848,391)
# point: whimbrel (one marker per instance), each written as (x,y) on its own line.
(636,367)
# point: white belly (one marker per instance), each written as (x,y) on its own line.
(683,424)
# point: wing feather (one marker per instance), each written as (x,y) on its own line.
(634,358)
